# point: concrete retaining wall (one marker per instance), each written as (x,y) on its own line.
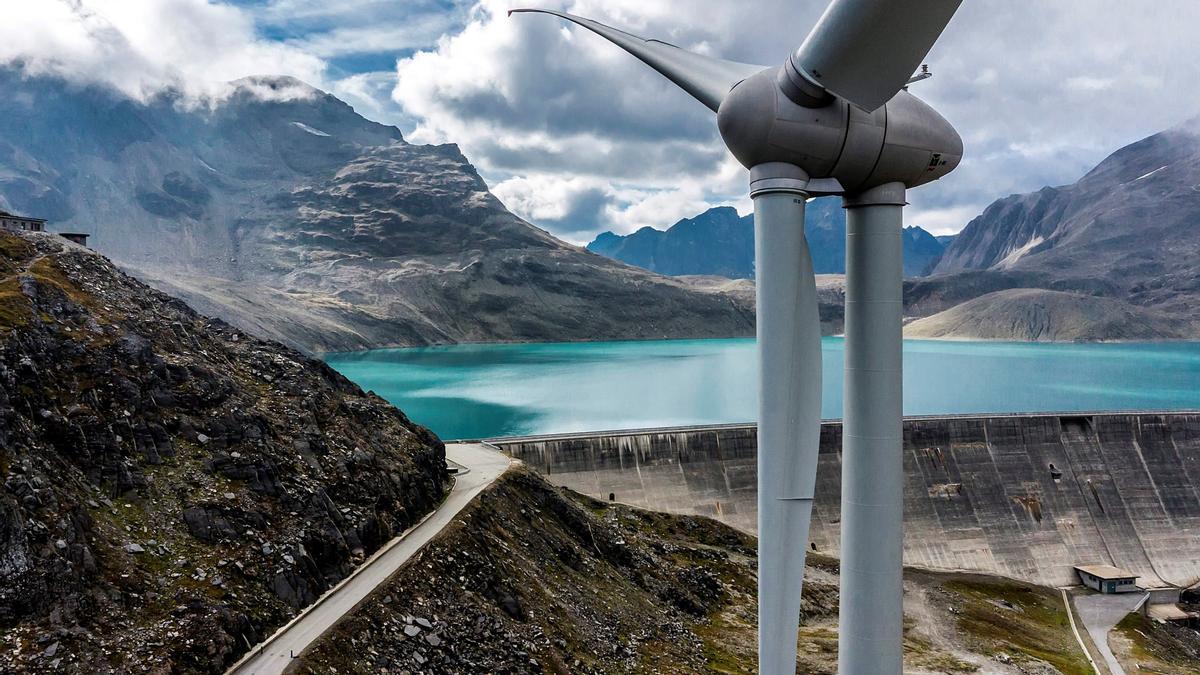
(1027,497)
(1163,596)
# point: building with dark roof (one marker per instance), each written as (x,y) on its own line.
(11,221)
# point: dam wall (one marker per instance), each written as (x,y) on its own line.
(1022,496)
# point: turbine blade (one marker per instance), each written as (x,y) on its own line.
(789,420)
(866,50)
(707,79)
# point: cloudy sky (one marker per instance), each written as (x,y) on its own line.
(578,137)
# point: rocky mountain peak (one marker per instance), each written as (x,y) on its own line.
(1130,220)
(276,87)
(283,210)
(1128,231)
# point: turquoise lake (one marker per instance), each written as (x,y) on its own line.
(480,391)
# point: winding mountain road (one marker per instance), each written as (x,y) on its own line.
(482,464)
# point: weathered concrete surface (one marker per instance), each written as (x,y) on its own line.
(980,493)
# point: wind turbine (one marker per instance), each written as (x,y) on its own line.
(835,119)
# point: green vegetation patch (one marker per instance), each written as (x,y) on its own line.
(18,265)
(1023,621)
(47,272)
(15,308)
(13,251)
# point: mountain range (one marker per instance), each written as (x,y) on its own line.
(283,211)
(720,242)
(1109,257)
(1128,232)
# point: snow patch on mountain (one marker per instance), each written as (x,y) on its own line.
(1012,258)
(314,132)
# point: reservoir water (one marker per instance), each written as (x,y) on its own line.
(480,391)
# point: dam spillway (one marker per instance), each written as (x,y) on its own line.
(1022,496)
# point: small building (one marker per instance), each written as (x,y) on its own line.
(75,237)
(9,221)
(1107,579)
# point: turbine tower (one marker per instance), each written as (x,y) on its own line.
(835,119)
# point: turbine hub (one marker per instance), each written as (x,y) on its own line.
(905,141)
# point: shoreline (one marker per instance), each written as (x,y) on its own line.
(322,355)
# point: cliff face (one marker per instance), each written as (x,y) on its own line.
(1125,207)
(174,489)
(283,211)
(720,242)
(1131,223)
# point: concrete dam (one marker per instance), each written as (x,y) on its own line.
(1021,496)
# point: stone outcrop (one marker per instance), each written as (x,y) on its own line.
(174,489)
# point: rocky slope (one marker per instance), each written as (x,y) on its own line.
(1037,315)
(173,489)
(533,579)
(1132,224)
(720,242)
(831,296)
(1144,645)
(283,211)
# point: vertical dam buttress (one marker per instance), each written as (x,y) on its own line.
(1022,496)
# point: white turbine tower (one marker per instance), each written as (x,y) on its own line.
(834,119)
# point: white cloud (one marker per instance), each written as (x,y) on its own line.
(549,113)
(940,221)
(141,47)
(1040,89)
(421,32)
(368,94)
(576,208)
(544,197)
(299,10)
(1088,83)
(660,208)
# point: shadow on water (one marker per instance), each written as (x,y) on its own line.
(463,418)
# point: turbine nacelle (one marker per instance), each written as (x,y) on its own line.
(832,110)
(903,141)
